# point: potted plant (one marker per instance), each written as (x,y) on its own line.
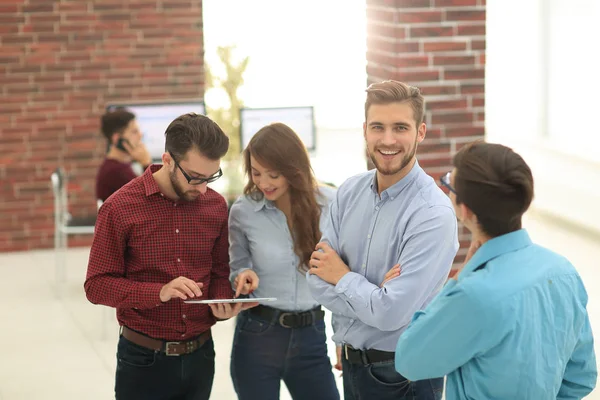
(228,118)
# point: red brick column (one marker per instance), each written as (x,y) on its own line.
(439,46)
(61,62)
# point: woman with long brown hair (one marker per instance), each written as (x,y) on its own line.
(273,230)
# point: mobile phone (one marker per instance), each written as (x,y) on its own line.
(120,145)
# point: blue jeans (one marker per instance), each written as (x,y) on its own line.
(381,381)
(146,374)
(264,353)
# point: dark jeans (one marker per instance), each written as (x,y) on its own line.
(149,375)
(264,353)
(381,381)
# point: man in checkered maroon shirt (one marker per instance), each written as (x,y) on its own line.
(159,240)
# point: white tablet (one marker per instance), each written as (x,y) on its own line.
(254,300)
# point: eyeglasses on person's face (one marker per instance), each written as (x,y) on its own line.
(445,181)
(197,181)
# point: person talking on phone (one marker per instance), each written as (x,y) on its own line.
(125,145)
(273,229)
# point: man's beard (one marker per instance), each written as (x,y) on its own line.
(392,171)
(179,191)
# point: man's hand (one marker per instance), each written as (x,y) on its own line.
(139,153)
(327,264)
(246,282)
(391,274)
(475,245)
(338,352)
(181,287)
(229,310)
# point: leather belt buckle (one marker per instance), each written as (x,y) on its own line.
(281,318)
(168,349)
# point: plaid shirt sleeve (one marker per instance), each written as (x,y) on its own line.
(105,281)
(220,287)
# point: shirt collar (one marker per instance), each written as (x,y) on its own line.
(496,247)
(150,184)
(262,203)
(396,188)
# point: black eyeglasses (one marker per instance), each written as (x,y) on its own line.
(445,181)
(197,181)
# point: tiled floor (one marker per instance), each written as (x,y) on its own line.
(63,347)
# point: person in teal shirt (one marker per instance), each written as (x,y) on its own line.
(513,324)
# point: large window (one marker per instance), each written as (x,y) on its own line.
(573,81)
(302,53)
(542,90)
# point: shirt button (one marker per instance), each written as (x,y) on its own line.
(184,316)
(364,265)
(391,198)
(178,260)
(368,236)
(176,230)
(183,335)
(377,208)
(174,204)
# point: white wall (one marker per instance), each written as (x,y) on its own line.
(535,84)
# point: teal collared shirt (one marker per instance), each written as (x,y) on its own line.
(513,326)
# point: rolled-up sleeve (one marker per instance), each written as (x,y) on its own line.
(426,259)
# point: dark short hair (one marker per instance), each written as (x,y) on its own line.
(495,183)
(195,131)
(115,121)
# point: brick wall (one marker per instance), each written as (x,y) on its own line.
(439,46)
(61,62)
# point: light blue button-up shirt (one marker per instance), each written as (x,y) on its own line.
(412,223)
(260,239)
(514,326)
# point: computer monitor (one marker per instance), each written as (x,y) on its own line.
(154,118)
(300,119)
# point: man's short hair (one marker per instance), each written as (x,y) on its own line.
(115,121)
(495,183)
(195,131)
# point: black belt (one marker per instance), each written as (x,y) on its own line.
(365,357)
(288,319)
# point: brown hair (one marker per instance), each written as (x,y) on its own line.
(495,183)
(277,147)
(195,131)
(387,92)
(115,121)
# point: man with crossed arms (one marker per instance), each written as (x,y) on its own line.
(393,215)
